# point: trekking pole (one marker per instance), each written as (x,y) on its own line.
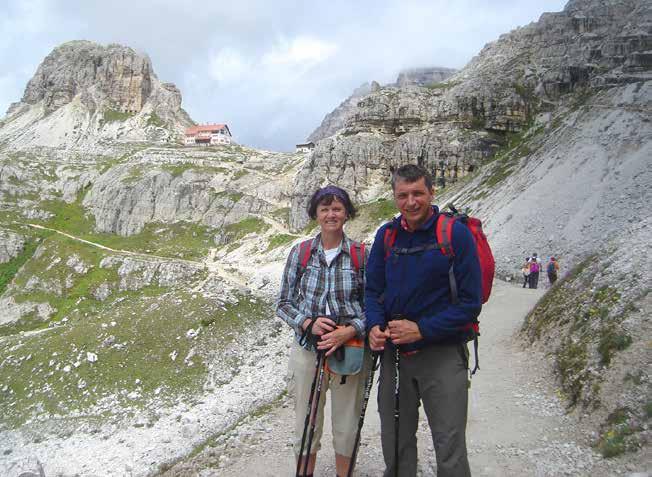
(318,366)
(367,392)
(397,366)
(313,407)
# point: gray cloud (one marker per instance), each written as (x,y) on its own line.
(272,70)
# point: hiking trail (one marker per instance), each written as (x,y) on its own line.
(517,424)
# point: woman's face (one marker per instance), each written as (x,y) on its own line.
(331,217)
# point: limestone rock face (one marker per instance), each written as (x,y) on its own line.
(137,273)
(112,73)
(11,244)
(167,186)
(84,94)
(335,119)
(454,125)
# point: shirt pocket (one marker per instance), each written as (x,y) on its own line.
(311,281)
(346,284)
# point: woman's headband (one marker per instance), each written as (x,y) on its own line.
(331,190)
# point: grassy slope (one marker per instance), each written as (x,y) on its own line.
(132,333)
(583,323)
(45,372)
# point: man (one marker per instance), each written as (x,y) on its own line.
(408,305)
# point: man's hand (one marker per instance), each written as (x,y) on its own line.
(403,332)
(333,340)
(377,338)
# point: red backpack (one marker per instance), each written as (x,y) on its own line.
(444,238)
(356,251)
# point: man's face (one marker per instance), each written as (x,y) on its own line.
(413,200)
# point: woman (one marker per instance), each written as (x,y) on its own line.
(322,288)
(525,269)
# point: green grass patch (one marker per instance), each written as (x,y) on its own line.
(231,195)
(282,215)
(178,169)
(68,217)
(239,174)
(477,123)
(611,341)
(571,360)
(279,240)
(619,433)
(186,240)
(57,283)
(246,226)
(9,269)
(143,349)
(379,210)
(112,115)
(178,240)
(310,226)
(154,120)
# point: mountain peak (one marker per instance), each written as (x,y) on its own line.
(84,93)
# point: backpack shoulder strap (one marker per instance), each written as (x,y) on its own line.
(444,238)
(305,249)
(357,253)
(444,233)
(389,239)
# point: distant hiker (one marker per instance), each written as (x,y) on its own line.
(408,292)
(322,299)
(525,270)
(535,268)
(552,269)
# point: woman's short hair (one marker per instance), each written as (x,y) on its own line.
(325,196)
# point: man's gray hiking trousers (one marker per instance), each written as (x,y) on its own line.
(437,376)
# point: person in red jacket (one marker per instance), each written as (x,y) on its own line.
(408,304)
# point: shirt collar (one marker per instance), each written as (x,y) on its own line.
(433,211)
(345,244)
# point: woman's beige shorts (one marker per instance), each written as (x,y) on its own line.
(346,402)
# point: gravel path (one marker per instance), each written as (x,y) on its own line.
(517,424)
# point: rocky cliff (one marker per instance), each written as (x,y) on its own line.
(546,136)
(84,94)
(590,45)
(335,120)
(138,275)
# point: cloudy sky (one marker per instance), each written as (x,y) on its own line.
(270,69)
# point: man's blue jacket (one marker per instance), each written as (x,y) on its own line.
(416,285)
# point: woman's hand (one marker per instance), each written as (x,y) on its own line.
(322,325)
(336,338)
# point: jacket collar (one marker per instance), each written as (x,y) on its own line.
(399,221)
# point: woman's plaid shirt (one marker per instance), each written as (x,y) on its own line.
(305,292)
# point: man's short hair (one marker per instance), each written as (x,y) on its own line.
(411,173)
